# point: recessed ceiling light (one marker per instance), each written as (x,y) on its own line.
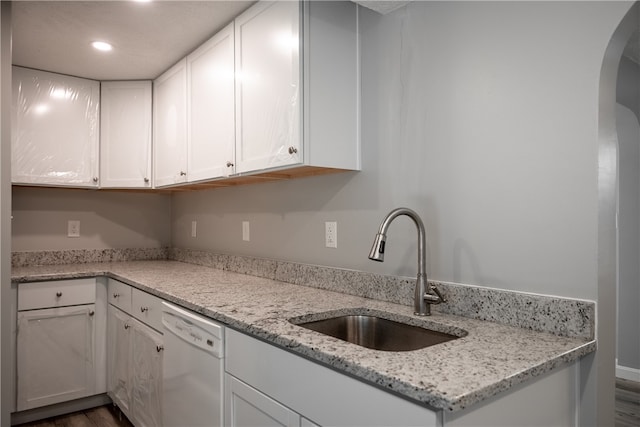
(102,46)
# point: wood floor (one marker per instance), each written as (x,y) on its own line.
(627,403)
(627,412)
(103,416)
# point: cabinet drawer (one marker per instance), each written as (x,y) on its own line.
(57,293)
(146,308)
(120,295)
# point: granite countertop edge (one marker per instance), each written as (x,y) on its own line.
(451,376)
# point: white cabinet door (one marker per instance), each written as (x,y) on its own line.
(315,392)
(146,396)
(56,129)
(268,92)
(211,108)
(247,407)
(125,131)
(170,126)
(307,423)
(119,357)
(55,355)
(135,356)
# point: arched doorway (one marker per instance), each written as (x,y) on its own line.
(628,128)
(608,180)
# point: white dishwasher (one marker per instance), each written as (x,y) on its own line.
(193,372)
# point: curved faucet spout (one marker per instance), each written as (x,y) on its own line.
(423,295)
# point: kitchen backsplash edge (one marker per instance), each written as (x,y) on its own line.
(84,256)
(557,315)
(560,316)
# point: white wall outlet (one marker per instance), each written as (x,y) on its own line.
(194,228)
(245,231)
(331,234)
(73,228)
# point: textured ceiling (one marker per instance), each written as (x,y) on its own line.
(148,37)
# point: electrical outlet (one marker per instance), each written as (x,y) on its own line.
(194,228)
(73,228)
(331,234)
(245,231)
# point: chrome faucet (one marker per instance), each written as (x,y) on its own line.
(425,295)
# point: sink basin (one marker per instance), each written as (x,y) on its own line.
(378,333)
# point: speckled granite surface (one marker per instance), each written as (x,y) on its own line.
(560,316)
(81,256)
(491,358)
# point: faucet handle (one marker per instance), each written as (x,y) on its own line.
(435,289)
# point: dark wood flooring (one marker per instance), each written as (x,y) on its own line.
(627,412)
(103,416)
(627,403)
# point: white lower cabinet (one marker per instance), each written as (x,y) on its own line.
(549,400)
(246,406)
(269,386)
(68,337)
(56,358)
(59,349)
(118,356)
(146,395)
(135,356)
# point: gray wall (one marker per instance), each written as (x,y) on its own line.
(473,116)
(628,89)
(483,117)
(6,307)
(107,219)
(629,239)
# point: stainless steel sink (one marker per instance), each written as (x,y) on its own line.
(378,333)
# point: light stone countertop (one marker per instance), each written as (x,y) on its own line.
(451,376)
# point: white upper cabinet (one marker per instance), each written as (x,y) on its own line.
(297,86)
(268,92)
(276,90)
(331,85)
(211,108)
(170,126)
(125,130)
(275,94)
(55,129)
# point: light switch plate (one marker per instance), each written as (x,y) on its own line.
(245,231)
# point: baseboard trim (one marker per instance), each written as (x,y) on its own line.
(37,414)
(626,373)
